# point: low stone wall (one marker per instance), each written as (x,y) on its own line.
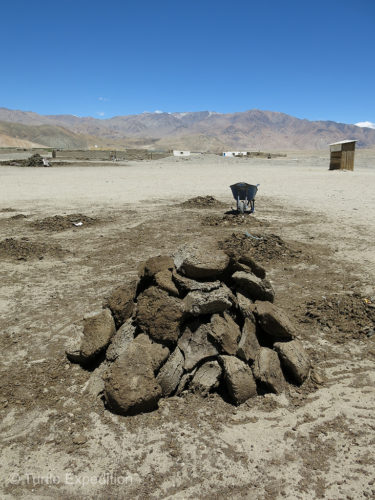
(95,155)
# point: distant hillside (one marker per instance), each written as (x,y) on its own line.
(11,142)
(201,131)
(42,135)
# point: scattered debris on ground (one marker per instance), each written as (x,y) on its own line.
(24,249)
(63,222)
(200,323)
(12,163)
(203,202)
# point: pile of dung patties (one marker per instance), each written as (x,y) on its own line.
(201,322)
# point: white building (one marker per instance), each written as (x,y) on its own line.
(180,153)
(231,154)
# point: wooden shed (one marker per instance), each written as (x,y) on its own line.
(342,155)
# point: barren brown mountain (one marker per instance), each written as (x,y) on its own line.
(19,135)
(202,131)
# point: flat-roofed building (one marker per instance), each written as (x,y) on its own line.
(180,153)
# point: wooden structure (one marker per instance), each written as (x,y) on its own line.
(342,155)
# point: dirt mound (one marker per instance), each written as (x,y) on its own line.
(347,316)
(63,222)
(203,202)
(19,216)
(34,161)
(262,247)
(232,220)
(24,249)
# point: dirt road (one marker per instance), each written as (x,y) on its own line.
(57,438)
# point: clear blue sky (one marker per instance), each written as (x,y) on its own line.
(311,59)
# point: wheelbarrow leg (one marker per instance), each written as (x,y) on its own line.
(252,204)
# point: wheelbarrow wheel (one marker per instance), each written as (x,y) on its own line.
(242,207)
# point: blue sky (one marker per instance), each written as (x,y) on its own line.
(311,59)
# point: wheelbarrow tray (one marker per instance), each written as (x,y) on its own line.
(244,191)
(244,195)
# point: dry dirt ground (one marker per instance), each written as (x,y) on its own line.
(58,440)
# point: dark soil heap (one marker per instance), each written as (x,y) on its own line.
(263,247)
(63,222)
(202,322)
(18,217)
(346,316)
(34,161)
(203,202)
(8,209)
(24,249)
(233,219)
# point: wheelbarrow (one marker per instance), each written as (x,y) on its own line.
(244,195)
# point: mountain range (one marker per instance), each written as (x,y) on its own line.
(197,131)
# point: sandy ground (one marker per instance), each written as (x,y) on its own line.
(57,439)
